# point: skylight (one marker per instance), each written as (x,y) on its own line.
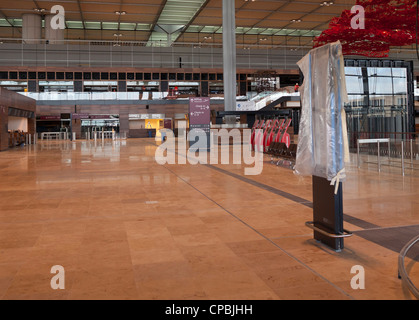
(175,13)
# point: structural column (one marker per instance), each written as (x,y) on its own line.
(76,128)
(53,35)
(32,126)
(229,57)
(124,121)
(31,28)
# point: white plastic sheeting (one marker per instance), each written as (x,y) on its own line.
(323,145)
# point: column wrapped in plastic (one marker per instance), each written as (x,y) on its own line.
(322,141)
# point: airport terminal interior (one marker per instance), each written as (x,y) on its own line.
(104,194)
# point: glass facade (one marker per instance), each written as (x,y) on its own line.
(380,100)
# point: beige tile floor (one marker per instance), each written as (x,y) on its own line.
(124,227)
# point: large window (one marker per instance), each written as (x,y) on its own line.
(380,99)
(354,83)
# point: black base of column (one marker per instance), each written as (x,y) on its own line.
(328,213)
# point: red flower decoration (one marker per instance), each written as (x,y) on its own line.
(387,23)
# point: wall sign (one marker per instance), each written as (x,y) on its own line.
(199,118)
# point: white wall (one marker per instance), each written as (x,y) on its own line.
(136,124)
(16,123)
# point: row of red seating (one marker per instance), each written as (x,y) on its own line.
(271,137)
(265,132)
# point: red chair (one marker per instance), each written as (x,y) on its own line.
(256,126)
(256,133)
(273,130)
(259,136)
(286,137)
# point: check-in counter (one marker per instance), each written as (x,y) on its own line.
(15,108)
(142,133)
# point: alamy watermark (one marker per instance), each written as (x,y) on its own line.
(202,147)
(58,21)
(58,280)
(358,20)
(358,281)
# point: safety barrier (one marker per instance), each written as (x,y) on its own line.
(105,135)
(17,138)
(403,154)
(55,136)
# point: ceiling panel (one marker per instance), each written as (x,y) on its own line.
(199,18)
(211,12)
(318,18)
(205,21)
(299,7)
(267,5)
(257,14)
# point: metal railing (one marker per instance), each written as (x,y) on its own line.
(94,96)
(120,53)
(403,275)
(103,135)
(17,139)
(94,53)
(403,154)
(380,135)
(55,136)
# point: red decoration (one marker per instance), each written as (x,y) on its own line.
(387,23)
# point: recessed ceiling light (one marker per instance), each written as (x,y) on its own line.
(117,35)
(40,10)
(120,13)
(326,3)
(295,20)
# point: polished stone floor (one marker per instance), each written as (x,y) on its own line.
(125,227)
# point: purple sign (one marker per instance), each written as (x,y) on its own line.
(99,116)
(55,118)
(168,123)
(199,111)
(80,116)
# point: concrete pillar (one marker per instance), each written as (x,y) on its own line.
(53,36)
(229,57)
(124,122)
(32,126)
(76,127)
(31,28)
